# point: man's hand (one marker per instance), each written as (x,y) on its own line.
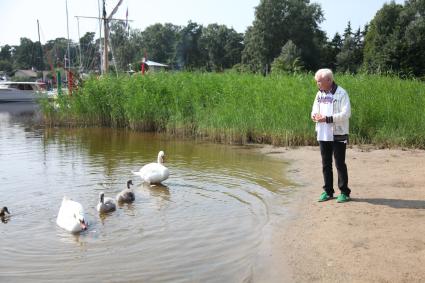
(319,118)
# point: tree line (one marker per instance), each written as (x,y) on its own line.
(284,37)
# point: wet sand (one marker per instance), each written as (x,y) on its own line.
(377,237)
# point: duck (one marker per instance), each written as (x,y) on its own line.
(106,204)
(71,216)
(3,211)
(126,195)
(155,172)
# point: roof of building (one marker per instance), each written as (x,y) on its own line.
(155,64)
(26,73)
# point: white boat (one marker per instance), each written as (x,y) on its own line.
(21,91)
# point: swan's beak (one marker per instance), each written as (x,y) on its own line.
(83,224)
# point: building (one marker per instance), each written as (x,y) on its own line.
(153,66)
(31,74)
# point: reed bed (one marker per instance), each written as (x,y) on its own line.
(240,108)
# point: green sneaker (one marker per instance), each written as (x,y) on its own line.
(324,197)
(342,198)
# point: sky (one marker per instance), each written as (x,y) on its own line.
(18,18)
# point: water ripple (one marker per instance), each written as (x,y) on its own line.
(204,224)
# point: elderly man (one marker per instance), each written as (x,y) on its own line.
(331,112)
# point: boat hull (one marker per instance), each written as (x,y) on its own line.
(20,92)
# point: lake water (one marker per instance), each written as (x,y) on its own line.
(210,222)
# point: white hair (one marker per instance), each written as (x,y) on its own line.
(324,73)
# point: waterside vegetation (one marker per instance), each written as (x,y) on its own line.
(240,108)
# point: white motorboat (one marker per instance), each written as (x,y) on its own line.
(21,91)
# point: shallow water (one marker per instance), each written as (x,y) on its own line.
(208,223)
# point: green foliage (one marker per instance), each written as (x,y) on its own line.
(289,59)
(189,55)
(56,51)
(393,43)
(276,22)
(380,41)
(350,57)
(6,53)
(233,107)
(90,59)
(160,42)
(6,66)
(222,45)
(395,40)
(124,50)
(28,54)
(330,50)
(346,59)
(386,110)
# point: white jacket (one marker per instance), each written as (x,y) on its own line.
(341,110)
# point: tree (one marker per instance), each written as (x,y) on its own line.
(122,48)
(381,42)
(160,41)
(345,60)
(135,41)
(289,60)
(6,66)
(411,37)
(395,39)
(90,57)
(254,52)
(233,48)
(56,52)
(348,31)
(24,56)
(330,50)
(223,46)
(350,58)
(6,53)
(276,22)
(189,54)
(6,60)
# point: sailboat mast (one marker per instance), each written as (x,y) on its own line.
(100,38)
(106,42)
(79,44)
(38,29)
(41,48)
(67,30)
(106,20)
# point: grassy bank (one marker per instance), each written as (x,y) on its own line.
(242,108)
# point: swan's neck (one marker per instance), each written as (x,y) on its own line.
(160,159)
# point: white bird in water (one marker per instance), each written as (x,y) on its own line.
(106,204)
(155,172)
(126,195)
(71,216)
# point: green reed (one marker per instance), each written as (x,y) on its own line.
(239,108)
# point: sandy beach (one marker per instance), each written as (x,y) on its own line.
(379,236)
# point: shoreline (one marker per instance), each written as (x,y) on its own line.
(376,237)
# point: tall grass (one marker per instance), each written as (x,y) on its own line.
(241,108)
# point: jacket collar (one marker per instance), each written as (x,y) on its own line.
(333,89)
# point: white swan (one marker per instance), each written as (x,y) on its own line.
(71,216)
(155,172)
(105,204)
(126,195)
